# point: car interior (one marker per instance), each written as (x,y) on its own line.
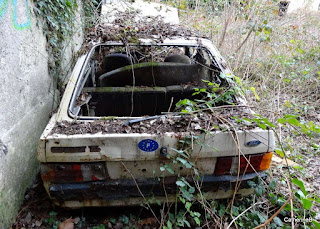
(143,80)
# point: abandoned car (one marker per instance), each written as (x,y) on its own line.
(118,128)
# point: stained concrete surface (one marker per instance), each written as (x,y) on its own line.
(27,97)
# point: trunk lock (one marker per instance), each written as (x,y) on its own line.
(163,151)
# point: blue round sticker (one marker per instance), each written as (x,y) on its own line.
(148,145)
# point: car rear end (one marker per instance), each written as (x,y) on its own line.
(117,169)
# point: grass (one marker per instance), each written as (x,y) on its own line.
(278,55)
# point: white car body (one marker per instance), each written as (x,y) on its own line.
(123,160)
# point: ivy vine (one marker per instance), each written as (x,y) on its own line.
(58,19)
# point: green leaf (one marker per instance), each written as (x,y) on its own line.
(184,102)
(262,126)
(53,213)
(279,152)
(294,122)
(180,183)
(259,190)
(183,161)
(253,89)
(187,223)
(317,224)
(124,219)
(192,189)
(306,204)
(299,194)
(290,116)
(281,120)
(273,185)
(187,195)
(188,206)
(197,220)
(169,169)
(169,224)
(278,221)
(300,184)
(188,165)
(112,220)
(266,121)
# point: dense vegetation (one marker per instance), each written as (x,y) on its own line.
(277,59)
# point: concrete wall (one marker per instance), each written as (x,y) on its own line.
(26,99)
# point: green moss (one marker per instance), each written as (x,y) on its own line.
(140,65)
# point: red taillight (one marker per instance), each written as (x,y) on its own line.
(223,165)
(69,172)
(229,165)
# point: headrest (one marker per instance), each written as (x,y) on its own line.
(115,60)
(176,58)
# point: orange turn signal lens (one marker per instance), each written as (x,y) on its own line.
(266,161)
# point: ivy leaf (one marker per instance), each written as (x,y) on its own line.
(169,169)
(259,190)
(187,195)
(192,189)
(180,183)
(187,223)
(278,221)
(183,161)
(197,220)
(124,219)
(272,185)
(188,206)
(53,213)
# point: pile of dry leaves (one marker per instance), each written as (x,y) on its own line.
(194,124)
(128,30)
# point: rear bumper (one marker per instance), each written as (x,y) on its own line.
(125,191)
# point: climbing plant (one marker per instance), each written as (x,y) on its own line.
(58,24)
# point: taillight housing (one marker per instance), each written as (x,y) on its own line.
(229,165)
(72,172)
